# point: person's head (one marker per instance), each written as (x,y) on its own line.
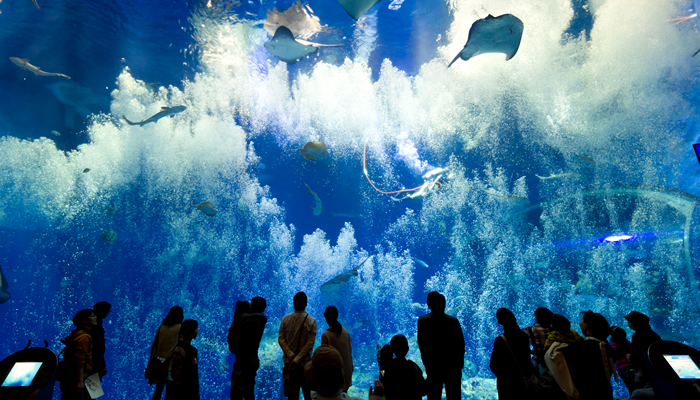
(637,321)
(331,314)
(325,371)
(594,324)
(258,305)
(640,377)
(618,335)
(506,318)
(300,300)
(189,329)
(85,319)
(102,309)
(399,346)
(436,302)
(174,317)
(543,317)
(560,323)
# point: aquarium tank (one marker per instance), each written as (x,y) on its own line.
(194,153)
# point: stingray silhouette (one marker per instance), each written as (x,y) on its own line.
(356,8)
(313,151)
(286,48)
(500,34)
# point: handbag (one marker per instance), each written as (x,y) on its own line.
(157,368)
(529,382)
(293,374)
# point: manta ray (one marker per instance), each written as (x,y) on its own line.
(500,34)
(286,48)
(206,208)
(313,151)
(356,8)
(343,278)
(4,294)
(297,18)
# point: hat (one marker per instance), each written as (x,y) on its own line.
(637,319)
(325,371)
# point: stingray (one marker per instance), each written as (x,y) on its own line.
(297,18)
(356,8)
(4,294)
(206,208)
(313,151)
(286,48)
(343,278)
(500,34)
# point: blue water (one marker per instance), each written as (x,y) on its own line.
(602,95)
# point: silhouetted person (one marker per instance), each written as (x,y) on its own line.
(642,338)
(184,375)
(645,391)
(538,334)
(441,344)
(561,332)
(403,379)
(622,348)
(338,337)
(248,333)
(99,365)
(242,307)
(325,375)
(296,338)
(78,356)
(162,348)
(591,361)
(510,358)
(384,357)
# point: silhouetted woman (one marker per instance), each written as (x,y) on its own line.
(339,338)
(164,342)
(510,359)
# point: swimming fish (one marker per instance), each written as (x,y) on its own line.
(338,280)
(108,236)
(586,159)
(36,4)
(507,197)
(564,175)
(4,294)
(206,208)
(313,151)
(296,18)
(153,86)
(55,133)
(348,215)
(86,170)
(286,48)
(24,64)
(356,8)
(317,209)
(421,263)
(164,112)
(500,34)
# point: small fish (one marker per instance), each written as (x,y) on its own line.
(343,278)
(586,159)
(86,170)
(24,64)
(36,4)
(261,166)
(318,208)
(313,151)
(348,215)
(206,208)
(4,294)
(56,133)
(108,236)
(564,175)
(164,112)
(507,197)
(421,263)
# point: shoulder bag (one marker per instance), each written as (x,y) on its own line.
(529,382)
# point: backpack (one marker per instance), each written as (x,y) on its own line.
(177,364)
(234,337)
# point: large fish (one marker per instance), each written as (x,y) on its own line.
(164,112)
(286,48)
(500,34)
(357,8)
(24,64)
(4,294)
(343,278)
(318,208)
(313,151)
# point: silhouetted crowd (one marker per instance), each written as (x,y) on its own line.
(547,360)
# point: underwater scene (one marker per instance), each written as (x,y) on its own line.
(198,153)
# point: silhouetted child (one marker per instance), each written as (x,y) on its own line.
(403,379)
(623,348)
(538,334)
(78,356)
(184,374)
(384,357)
(561,332)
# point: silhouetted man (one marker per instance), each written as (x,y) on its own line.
(296,338)
(248,333)
(441,344)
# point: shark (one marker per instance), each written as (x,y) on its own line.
(318,208)
(343,278)
(290,50)
(500,34)
(564,175)
(206,208)
(164,112)
(24,64)
(357,8)
(585,159)
(77,100)
(4,294)
(313,151)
